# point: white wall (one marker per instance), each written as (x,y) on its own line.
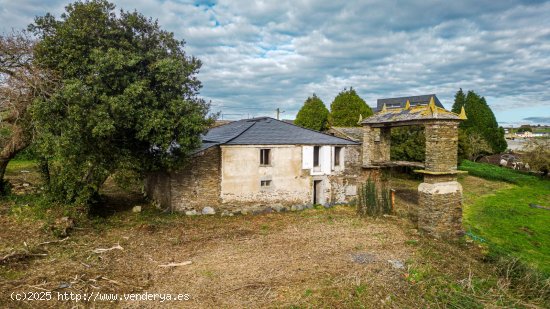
(326,160)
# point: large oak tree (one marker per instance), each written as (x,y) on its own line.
(129,98)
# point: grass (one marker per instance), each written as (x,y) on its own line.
(294,259)
(492,172)
(504,218)
(17,165)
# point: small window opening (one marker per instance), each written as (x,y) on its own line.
(265,183)
(316,156)
(337,151)
(265,156)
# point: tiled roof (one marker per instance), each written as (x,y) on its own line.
(267,131)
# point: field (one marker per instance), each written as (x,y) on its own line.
(505,218)
(314,258)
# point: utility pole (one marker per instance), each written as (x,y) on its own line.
(278,110)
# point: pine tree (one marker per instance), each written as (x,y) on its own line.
(346,109)
(313,114)
(459,101)
(481,120)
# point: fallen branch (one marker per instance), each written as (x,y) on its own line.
(51,242)
(38,287)
(538,206)
(176,264)
(7,256)
(101,250)
(109,280)
(19,256)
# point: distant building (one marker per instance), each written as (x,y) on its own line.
(525,134)
(400,102)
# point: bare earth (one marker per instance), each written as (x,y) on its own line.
(314,258)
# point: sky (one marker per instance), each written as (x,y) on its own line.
(262,55)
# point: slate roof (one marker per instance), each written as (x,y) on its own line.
(267,131)
(352,133)
(413,114)
(400,102)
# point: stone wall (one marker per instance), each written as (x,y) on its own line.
(157,188)
(383,154)
(376,145)
(440,195)
(197,185)
(441,145)
(440,211)
(368,145)
(344,184)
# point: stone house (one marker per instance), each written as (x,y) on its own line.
(256,163)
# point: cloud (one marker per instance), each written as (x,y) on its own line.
(539,120)
(261,55)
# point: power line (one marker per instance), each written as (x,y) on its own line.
(240,108)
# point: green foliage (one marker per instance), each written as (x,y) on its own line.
(346,109)
(477,146)
(537,154)
(525,128)
(129,98)
(408,144)
(374,200)
(27,154)
(481,120)
(460,100)
(313,115)
(463,146)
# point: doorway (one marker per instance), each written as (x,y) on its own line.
(317,191)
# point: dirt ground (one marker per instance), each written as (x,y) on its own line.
(236,262)
(314,258)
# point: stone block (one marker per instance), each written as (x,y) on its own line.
(191,213)
(440,209)
(208,211)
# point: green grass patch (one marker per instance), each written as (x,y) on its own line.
(493,172)
(506,221)
(18,165)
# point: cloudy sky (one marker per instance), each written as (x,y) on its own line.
(260,55)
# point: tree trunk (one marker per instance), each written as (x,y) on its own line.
(3,183)
(44,170)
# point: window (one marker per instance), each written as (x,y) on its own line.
(265,158)
(337,151)
(316,156)
(265,183)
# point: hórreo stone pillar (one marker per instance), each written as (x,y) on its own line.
(440,195)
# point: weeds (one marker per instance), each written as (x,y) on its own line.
(374,200)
